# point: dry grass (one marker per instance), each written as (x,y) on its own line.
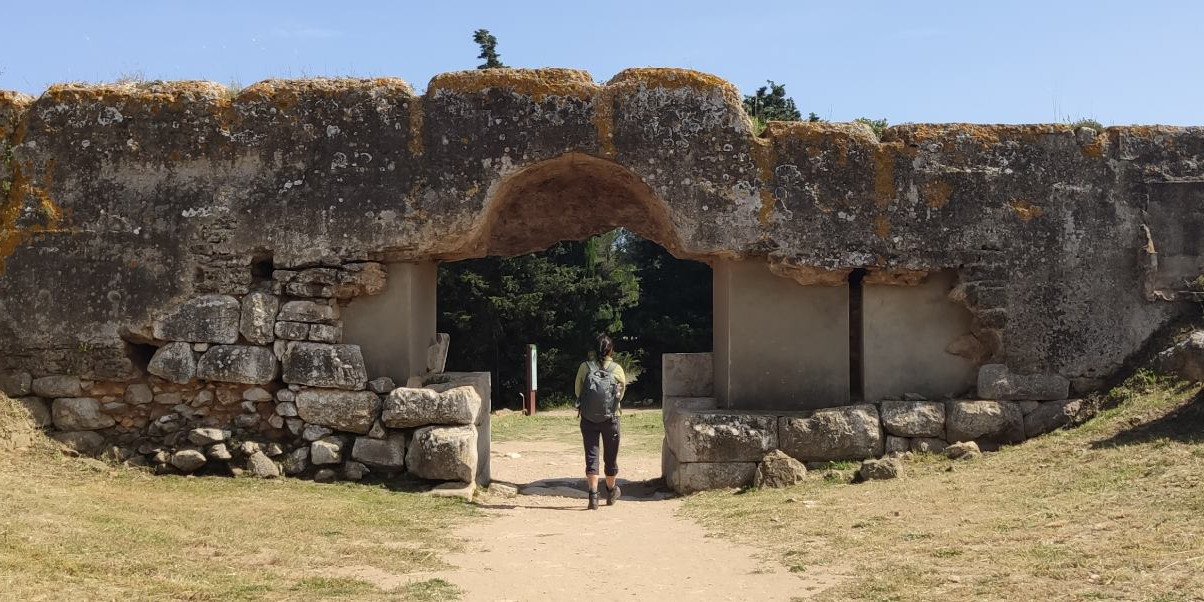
(1112,510)
(79,529)
(642,430)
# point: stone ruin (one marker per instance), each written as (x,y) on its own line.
(211,280)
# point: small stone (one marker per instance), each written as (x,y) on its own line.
(897,445)
(257,394)
(79,414)
(377,431)
(84,442)
(249,407)
(219,451)
(325,475)
(138,394)
(188,460)
(203,397)
(326,451)
(382,385)
(777,470)
(276,421)
(326,333)
(16,384)
(502,489)
(262,466)
(296,461)
(354,471)
(295,425)
(174,362)
(309,312)
(200,347)
(279,348)
(170,398)
(928,445)
(207,436)
(246,421)
(287,409)
(964,450)
(292,331)
(914,397)
(286,395)
(249,448)
(57,386)
(880,469)
(313,432)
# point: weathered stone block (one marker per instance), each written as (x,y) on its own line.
(188,460)
(39,411)
(88,443)
(351,411)
(292,331)
(1185,359)
(16,384)
(404,408)
(296,461)
(1050,416)
(436,353)
(777,470)
(444,453)
(687,375)
(720,436)
(928,445)
(258,464)
(138,394)
(674,404)
(995,381)
(326,451)
(79,414)
(692,477)
(258,320)
(983,421)
(896,445)
(382,385)
(914,418)
(325,333)
(356,279)
(878,469)
(238,364)
(322,365)
(308,311)
(208,435)
(173,362)
(842,433)
(388,453)
(59,385)
(204,319)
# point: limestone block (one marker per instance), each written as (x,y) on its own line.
(309,312)
(983,421)
(878,469)
(1185,359)
(325,333)
(914,418)
(351,411)
(39,411)
(260,465)
(138,394)
(360,278)
(287,409)
(404,407)
(79,414)
(208,435)
(258,320)
(436,353)
(692,477)
(962,450)
(443,453)
(687,375)
(673,404)
(257,395)
(59,385)
(173,362)
(296,461)
(244,364)
(292,331)
(313,432)
(896,445)
(85,442)
(778,470)
(323,365)
(354,471)
(1050,416)
(721,436)
(16,384)
(382,385)
(188,460)
(328,450)
(388,453)
(995,381)
(841,433)
(204,319)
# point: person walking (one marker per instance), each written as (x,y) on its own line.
(599,388)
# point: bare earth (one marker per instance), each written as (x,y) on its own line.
(547,546)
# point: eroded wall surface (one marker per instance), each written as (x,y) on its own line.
(122,201)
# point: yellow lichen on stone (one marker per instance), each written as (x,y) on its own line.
(807,275)
(895,277)
(884,176)
(20,187)
(980,134)
(604,121)
(417,118)
(882,226)
(675,78)
(936,193)
(1025,210)
(538,84)
(765,156)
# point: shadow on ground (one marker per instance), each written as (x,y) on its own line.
(650,490)
(1185,424)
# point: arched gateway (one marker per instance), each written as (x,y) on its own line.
(174,258)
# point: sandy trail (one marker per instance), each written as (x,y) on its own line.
(548,547)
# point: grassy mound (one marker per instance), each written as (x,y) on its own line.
(18,435)
(1111,510)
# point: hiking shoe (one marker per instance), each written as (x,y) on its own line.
(612,495)
(593,501)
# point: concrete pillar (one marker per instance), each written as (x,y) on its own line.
(394,328)
(778,345)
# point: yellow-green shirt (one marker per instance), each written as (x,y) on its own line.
(584,370)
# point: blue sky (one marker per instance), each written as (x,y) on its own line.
(987,62)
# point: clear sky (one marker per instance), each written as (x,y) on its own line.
(1140,61)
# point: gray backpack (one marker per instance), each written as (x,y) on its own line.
(599,400)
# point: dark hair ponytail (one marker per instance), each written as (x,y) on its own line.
(605,347)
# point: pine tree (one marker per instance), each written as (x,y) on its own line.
(488,44)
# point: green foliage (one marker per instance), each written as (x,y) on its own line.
(770,103)
(758,125)
(1085,122)
(812,117)
(488,44)
(878,125)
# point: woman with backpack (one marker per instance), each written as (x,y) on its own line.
(599,387)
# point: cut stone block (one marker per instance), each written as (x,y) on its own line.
(687,375)
(323,365)
(258,320)
(914,418)
(841,433)
(79,414)
(309,312)
(173,362)
(39,411)
(59,385)
(1051,416)
(983,421)
(996,382)
(444,453)
(721,436)
(16,384)
(351,411)
(388,453)
(405,408)
(692,477)
(244,364)
(204,319)
(436,353)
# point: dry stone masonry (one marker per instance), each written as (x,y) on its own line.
(174,257)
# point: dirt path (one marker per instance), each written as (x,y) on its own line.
(544,545)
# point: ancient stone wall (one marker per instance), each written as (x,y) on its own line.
(124,203)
